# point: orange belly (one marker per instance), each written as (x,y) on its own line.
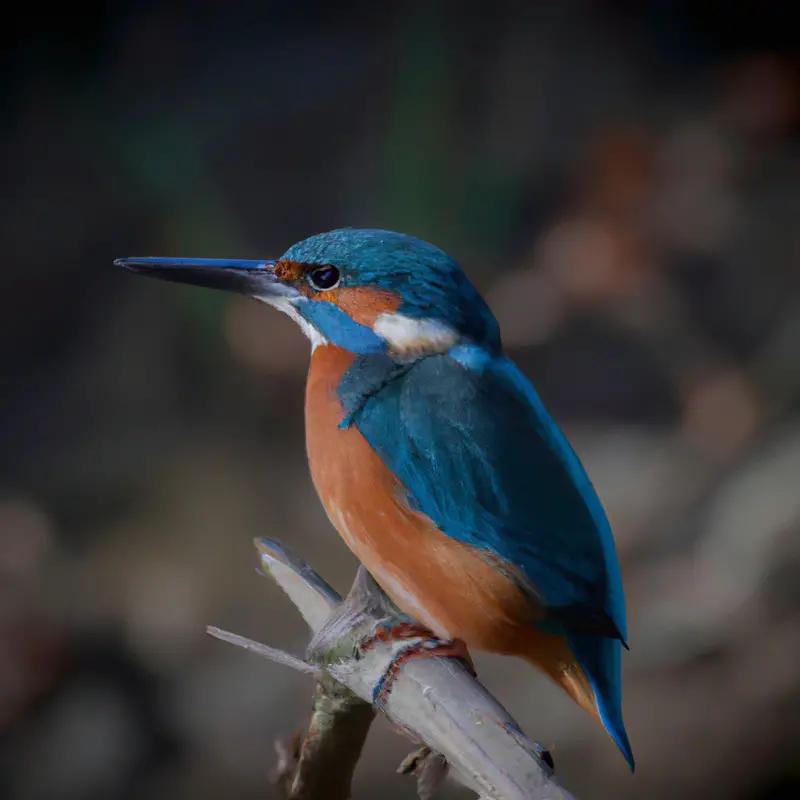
(448,586)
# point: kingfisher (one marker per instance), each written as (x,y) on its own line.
(436,460)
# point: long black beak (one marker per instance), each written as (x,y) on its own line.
(256,278)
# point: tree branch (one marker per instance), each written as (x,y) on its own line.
(332,746)
(434,700)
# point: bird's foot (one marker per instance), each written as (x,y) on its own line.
(422,644)
(392,630)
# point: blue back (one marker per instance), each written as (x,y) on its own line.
(478,453)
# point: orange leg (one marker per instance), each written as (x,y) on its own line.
(391,631)
(429,647)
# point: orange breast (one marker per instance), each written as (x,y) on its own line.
(443,583)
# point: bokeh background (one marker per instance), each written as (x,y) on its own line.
(621,179)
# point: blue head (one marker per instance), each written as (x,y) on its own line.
(363,290)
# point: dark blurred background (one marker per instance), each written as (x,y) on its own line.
(621,179)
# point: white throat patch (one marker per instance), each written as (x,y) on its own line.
(287,307)
(408,336)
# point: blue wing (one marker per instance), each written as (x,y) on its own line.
(478,453)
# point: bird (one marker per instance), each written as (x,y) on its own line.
(436,460)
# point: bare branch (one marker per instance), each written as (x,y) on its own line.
(279,656)
(435,701)
(332,746)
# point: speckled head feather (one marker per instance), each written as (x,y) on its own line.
(430,283)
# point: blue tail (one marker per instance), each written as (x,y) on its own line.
(601,660)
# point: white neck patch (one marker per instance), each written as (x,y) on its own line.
(287,307)
(409,336)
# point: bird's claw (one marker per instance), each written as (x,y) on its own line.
(422,644)
(393,630)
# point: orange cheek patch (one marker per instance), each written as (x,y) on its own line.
(363,304)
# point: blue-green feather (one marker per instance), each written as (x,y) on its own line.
(471,442)
(430,283)
(339,328)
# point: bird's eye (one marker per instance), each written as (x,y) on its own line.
(324,277)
